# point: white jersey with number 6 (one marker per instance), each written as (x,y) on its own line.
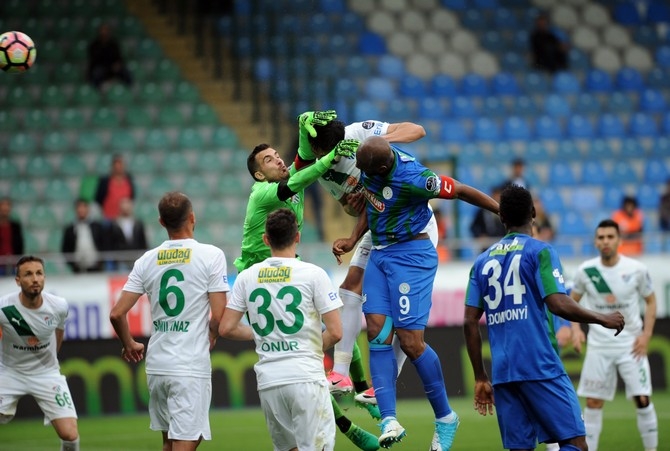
(285,298)
(177,277)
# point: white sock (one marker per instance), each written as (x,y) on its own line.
(553,447)
(69,446)
(400,355)
(351,313)
(647,424)
(593,421)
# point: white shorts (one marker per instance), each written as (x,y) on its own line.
(179,405)
(362,252)
(49,390)
(299,415)
(599,374)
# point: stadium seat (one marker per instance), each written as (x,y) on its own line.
(119,95)
(8,168)
(105,118)
(629,79)
(365,110)
(516,128)
(378,88)
(656,170)
(513,62)
(598,80)
(474,19)
(37,120)
(85,95)
(556,106)
(630,148)
(463,107)
(493,41)
(186,92)
(169,116)
(611,126)
(430,108)
(657,78)
(505,84)
(444,86)
(203,114)
(612,197)
(22,143)
(623,172)
(42,217)
(566,83)
(626,13)
(586,103)
(72,165)
(504,18)
(412,86)
(524,106)
(579,127)
(38,166)
(224,137)
(53,96)
(619,102)
(89,142)
(71,118)
(547,127)
(584,199)
(209,161)
(398,110)
(536,152)
(561,174)
(142,163)
(454,132)
(138,116)
(535,83)
(658,12)
(594,173)
(502,151)
(599,149)
(493,107)
(8,121)
(371,44)
(474,85)
(652,101)
(648,196)
(389,66)
(22,190)
(55,142)
(572,223)
(643,125)
(197,187)
(190,139)
(486,129)
(58,190)
(157,140)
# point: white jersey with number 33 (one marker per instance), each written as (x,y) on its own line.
(285,299)
(177,277)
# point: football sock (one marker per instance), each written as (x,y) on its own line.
(430,371)
(357,371)
(569,447)
(384,368)
(69,446)
(351,314)
(593,421)
(647,424)
(400,355)
(336,408)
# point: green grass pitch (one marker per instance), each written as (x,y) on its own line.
(245,429)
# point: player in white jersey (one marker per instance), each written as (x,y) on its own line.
(31,330)
(184,280)
(342,181)
(287,300)
(607,283)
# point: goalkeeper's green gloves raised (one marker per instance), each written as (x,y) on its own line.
(346,148)
(309,119)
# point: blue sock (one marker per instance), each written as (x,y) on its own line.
(569,447)
(430,371)
(384,368)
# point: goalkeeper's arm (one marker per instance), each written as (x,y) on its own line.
(299,180)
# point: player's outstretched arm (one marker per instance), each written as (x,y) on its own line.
(564,306)
(475,197)
(404,132)
(132,351)
(342,246)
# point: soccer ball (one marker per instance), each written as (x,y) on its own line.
(17,52)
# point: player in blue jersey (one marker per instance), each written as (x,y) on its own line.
(513,282)
(398,281)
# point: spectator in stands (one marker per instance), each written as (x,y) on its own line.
(630,220)
(114,187)
(84,240)
(548,53)
(129,233)
(664,209)
(542,228)
(11,237)
(518,177)
(486,226)
(105,61)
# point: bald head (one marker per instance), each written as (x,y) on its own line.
(374,156)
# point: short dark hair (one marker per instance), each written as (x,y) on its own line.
(516,206)
(173,209)
(252,165)
(26,259)
(281,228)
(609,223)
(327,136)
(629,200)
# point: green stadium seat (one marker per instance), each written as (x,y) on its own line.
(71,118)
(38,166)
(72,165)
(17,9)
(151,93)
(137,116)
(22,143)
(157,140)
(31,243)
(224,137)
(129,26)
(231,234)
(142,163)
(89,142)
(196,187)
(22,190)
(55,142)
(167,70)
(147,211)
(36,28)
(103,163)
(190,139)
(19,96)
(119,95)
(136,70)
(236,161)
(209,161)
(51,51)
(38,75)
(86,95)
(204,235)
(58,190)
(204,114)
(123,141)
(69,29)
(174,163)
(8,168)
(234,185)
(186,92)
(54,96)
(105,118)
(49,9)
(79,51)
(42,217)
(54,239)
(215,211)
(149,48)
(88,186)
(170,116)
(8,121)
(159,186)
(37,120)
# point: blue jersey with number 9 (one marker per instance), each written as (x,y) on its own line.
(509,281)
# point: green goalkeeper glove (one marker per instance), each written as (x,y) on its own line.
(346,148)
(309,119)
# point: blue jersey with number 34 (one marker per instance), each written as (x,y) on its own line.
(509,281)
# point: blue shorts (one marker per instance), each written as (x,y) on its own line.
(398,283)
(537,411)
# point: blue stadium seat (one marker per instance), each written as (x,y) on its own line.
(355,67)
(513,62)
(561,174)
(598,80)
(470,155)
(371,44)
(333,6)
(619,102)
(648,196)
(524,106)
(493,41)
(623,172)
(568,151)
(346,89)
(535,83)
(656,170)
(520,40)
(594,173)
(578,60)
(626,13)
(572,223)
(505,84)
(631,148)
(629,79)
(564,246)
(586,103)
(390,66)
(661,147)
(351,23)
(412,86)
(658,12)
(566,83)
(463,107)
(399,110)
(556,106)
(430,108)
(456,5)
(552,200)
(474,19)
(599,149)
(454,132)
(365,110)
(662,56)
(493,107)
(505,19)
(584,199)
(646,36)
(652,101)
(612,197)
(665,123)
(486,129)
(579,127)
(474,85)
(502,151)
(546,127)
(657,78)
(536,151)
(516,128)
(643,125)
(486,4)
(443,85)
(611,126)
(319,23)
(378,88)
